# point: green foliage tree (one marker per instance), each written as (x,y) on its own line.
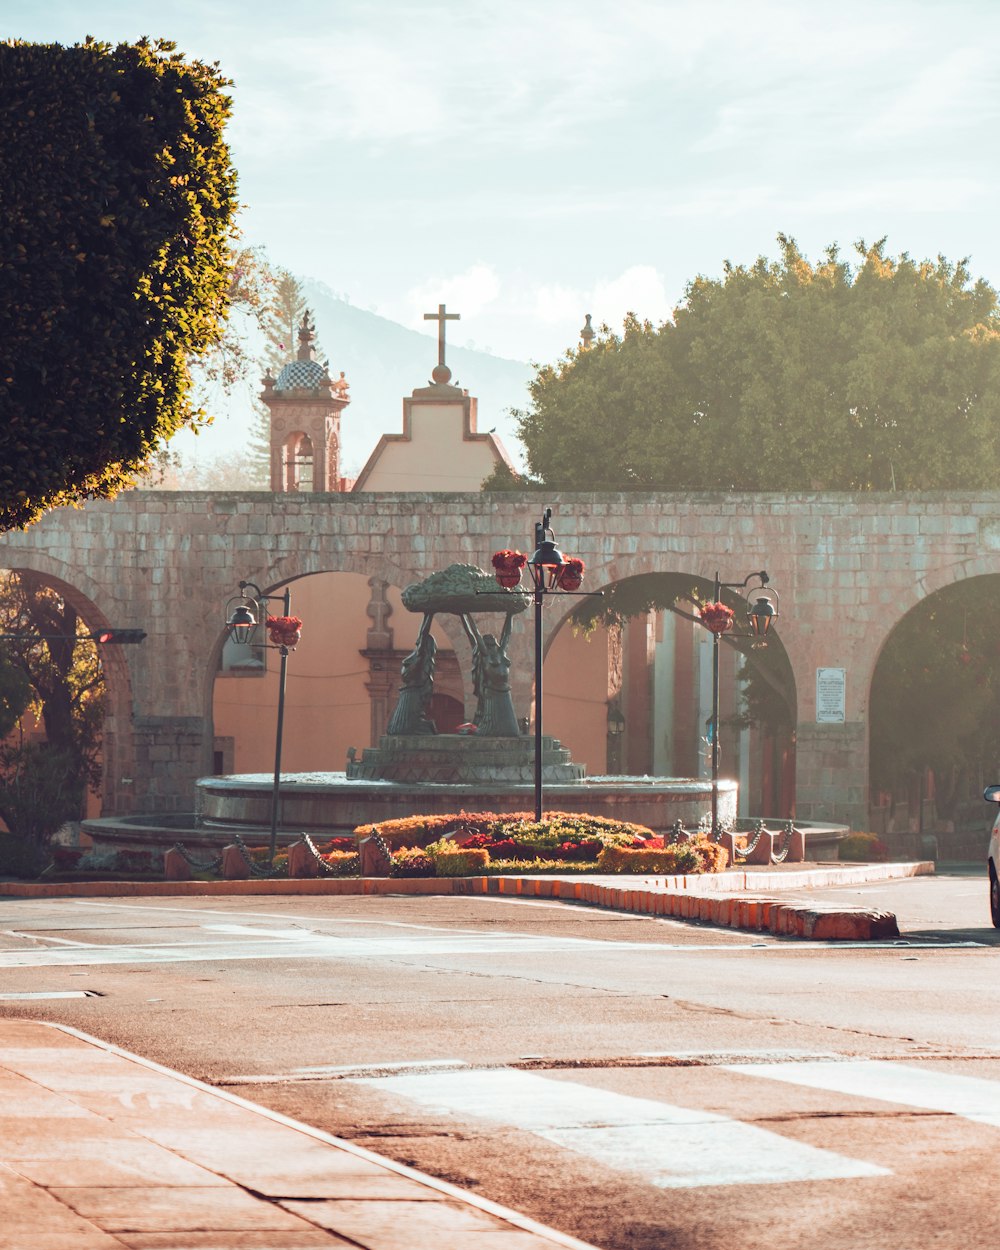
(53,657)
(784,375)
(52,673)
(118,198)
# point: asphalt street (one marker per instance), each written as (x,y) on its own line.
(636,1082)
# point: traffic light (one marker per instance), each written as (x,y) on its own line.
(117,637)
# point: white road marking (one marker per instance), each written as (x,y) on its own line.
(970,1097)
(47,994)
(247,942)
(41,937)
(671,1147)
(249,931)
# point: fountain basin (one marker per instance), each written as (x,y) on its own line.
(332,804)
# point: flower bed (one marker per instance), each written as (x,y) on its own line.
(472,843)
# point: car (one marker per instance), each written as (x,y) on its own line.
(992,795)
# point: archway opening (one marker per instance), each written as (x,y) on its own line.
(934,739)
(342,679)
(628,688)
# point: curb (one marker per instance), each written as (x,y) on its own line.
(724,902)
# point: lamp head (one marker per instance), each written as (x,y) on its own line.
(242,623)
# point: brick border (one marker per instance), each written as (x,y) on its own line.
(675,898)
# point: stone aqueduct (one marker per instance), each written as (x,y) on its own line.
(847,567)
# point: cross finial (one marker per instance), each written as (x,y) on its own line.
(441,371)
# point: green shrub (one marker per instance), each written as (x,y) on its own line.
(863,846)
(342,863)
(537,867)
(450,861)
(697,856)
(412,861)
(556,829)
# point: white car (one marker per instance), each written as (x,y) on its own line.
(992,795)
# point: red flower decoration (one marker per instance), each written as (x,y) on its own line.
(571,574)
(284,631)
(716,617)
(508,565)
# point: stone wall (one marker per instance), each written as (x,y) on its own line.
(847,568)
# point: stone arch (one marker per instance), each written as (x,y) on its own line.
(644,700)
(902,804)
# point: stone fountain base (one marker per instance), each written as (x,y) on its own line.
(460,759)
(331,804)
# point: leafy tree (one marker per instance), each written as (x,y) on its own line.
(115,258)
(784,375)
(39,792)
(51,672)
(55,659)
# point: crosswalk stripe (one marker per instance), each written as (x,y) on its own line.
(970,1097)
(671,1147)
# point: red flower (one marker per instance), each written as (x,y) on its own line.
(571,574)
(508,565)
(284,631)
(716,617)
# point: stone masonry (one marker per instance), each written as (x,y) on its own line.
(847,568)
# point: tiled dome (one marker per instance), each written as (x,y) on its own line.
(307,374)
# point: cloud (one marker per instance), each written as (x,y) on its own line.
(639,289)
(469,293)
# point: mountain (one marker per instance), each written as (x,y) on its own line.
(384,362)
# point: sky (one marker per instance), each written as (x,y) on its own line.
(527,163)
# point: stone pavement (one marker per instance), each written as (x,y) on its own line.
(101,1150)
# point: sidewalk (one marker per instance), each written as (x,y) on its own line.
(100,1150)
(745,898)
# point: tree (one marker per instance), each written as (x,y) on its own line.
(50,670)
(55,658)
(784,376)
(115,260)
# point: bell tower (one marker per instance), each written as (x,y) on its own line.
(305,406)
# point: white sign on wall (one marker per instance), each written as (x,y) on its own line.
(831,684)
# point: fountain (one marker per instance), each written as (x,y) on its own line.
(488,766)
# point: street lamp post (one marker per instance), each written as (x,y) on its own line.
(718,618)
(551,573)
(284,632)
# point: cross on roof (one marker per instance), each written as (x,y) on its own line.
(442,373)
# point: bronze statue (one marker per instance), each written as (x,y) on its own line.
(495,716)
(416,686)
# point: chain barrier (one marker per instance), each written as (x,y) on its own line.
(255,869)
(383,846)
(744,852)
(324,867)
(212,865)
(780,853)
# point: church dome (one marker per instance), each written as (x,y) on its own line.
(304,374)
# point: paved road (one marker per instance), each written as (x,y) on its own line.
(638,1083)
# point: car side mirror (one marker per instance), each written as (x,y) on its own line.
(992,794)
